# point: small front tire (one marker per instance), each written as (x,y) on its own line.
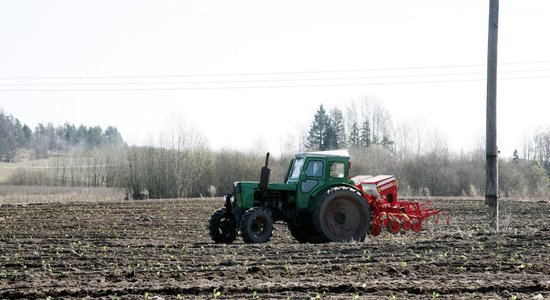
(222,227)
(256,225)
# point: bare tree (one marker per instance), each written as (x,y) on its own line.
(403,138)
(418,133)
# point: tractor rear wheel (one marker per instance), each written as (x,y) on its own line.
(256,225)
(222,227)
(341,214)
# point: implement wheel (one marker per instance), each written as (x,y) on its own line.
(256,225)
(407,225)
(222,227)
(342,215)
(375,229)
(393,226)
(417,226)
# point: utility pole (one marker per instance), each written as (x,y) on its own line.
(491,168)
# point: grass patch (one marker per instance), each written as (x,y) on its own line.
(21,194)
(7,169)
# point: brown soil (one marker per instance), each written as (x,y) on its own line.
(161,249)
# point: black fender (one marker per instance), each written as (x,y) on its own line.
(316,194)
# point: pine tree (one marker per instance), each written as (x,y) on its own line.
(94,137)
(317,134)
(339,129)
(27,136)
(354,137)
(330,139)
(387,143)
(515,156)
(364,139)
(112,136)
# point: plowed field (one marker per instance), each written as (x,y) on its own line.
(161,249)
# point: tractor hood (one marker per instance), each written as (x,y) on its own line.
(245,190)
(239,186)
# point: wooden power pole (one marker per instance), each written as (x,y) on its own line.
(491,169)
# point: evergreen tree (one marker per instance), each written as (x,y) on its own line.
(387,143)
(354,137)
(68,134)
(27,136)
(11,137)
(112,136)
(515,156)
(364,139)
(81,134)
(94,137)
(317,134)
(330,139)
(339,127)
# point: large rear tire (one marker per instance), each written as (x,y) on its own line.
(256,225)
(341,214)
(222,227)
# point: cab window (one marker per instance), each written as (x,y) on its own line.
(295,173)
(337,169)
(315,168)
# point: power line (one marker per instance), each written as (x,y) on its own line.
(265,87)
(280,21)
(244,12)
(250,12)
(267,73)
(264,80)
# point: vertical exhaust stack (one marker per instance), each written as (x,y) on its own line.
(264,175)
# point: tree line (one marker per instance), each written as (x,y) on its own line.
(368,123)
(328,131)
(183,165)
(160,172)
(17,139)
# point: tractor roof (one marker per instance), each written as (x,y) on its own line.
(333,153)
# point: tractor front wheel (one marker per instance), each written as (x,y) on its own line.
(222,227)
(342,215)
(256,225)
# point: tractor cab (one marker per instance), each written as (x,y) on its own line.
(312,172)
(331,164)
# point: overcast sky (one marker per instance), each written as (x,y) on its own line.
(247,71)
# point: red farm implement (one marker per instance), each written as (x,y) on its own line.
(389,212)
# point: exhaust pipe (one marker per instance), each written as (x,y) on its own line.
(264,175)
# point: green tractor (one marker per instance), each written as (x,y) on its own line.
(317,200)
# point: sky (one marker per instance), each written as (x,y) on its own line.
(248,73)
